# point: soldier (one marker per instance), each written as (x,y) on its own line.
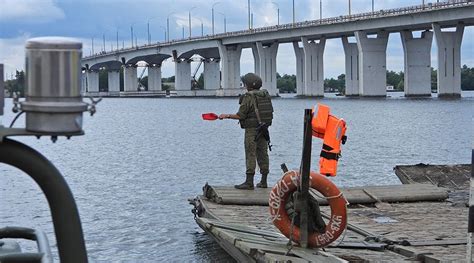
(255,116)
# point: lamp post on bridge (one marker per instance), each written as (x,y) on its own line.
(212,9)
(189,19)
(320,9)
(293,11)
(148,29)
(202,26)
(250,21)
(225,22)
(278,12)
(168,25)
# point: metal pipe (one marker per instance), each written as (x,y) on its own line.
(66,220)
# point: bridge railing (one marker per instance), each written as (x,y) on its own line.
(311,23)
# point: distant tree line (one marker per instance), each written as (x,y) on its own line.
(285,83)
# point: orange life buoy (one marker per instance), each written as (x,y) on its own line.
(286,186)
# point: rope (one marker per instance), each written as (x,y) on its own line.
(334,196)
(289,245)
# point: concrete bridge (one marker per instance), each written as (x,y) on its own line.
(365,65)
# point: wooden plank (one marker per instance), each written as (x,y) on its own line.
(354,195)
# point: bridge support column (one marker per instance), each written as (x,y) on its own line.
(449,60)
(114,82)
(417,65)
(212,78)
(84,82)
(352,67)
(299,53)
(183,74)
(372,63)
(230,67)
(267,55)
(93,81)
(313,67)
(256,59)
(154,78)
(130,79)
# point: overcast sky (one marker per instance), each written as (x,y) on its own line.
(85,19)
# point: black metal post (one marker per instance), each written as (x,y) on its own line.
(470,226)
(305,169)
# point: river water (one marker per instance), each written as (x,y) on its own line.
(141,159)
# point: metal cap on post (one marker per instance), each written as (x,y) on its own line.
(53,85)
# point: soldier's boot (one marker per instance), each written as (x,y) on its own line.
(263,182)
(247,185)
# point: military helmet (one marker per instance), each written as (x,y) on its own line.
(252,81)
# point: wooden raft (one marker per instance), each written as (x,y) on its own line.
(454,177)
(404,223)
(227,195)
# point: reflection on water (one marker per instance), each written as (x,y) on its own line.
(141,159)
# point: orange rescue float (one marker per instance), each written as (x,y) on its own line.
(282,191)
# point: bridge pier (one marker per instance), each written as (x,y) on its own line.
(417,65)
(267,55)
(84,82)
(113,77)
(256,59)
(313,67)
(230,68)
(183,74)
(92,81)
(154,78)
(449,60)
(130,79)
(299,53)
(212,78)
(372,63)
(352,67)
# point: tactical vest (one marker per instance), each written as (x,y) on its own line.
(262,100)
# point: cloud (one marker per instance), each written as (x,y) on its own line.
(30,11)
(13,53)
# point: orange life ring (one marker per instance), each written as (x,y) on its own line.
(286,186)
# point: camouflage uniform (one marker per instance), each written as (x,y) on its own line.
(255,151)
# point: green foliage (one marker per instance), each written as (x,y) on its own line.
(16,85)
(144,82)
(286,84)
(395,79)
(434,79)
(335,85)
(467,78)
(170,79)
(201,81)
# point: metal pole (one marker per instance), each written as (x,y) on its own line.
(168,29)
(278,15)
(293,11)
(202,29)
(183,32)
(470,226)
(131,33)
(225,25)
(117,41)
(189,18)
(212,20)
(250,24)
(251,16)
(148,29)
(349,7)
(320,9)
(103,37)
(305,169)
(372,6)
(93,46)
